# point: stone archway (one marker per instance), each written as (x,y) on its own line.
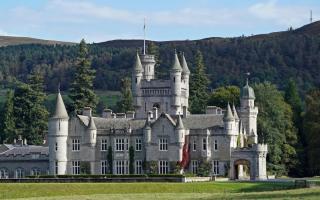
(242,169)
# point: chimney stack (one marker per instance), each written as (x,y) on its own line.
(87,111)
(107,113)
(155,113)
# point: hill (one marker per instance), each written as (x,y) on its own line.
(274,57)
(10,40)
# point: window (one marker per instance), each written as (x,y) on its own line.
(138,144)
(194,145)
(215,167)
(121,166)
(163,167)
(104,164)
(35,172)
(104,145)
(138,169)
(19,173)
(4,173)
(127,144)
(76,167)
(204,144)
(119,144)
(35,156)
(56,146)
(194,166)
(215,145)
(163,144)
(56,167)
(75,145)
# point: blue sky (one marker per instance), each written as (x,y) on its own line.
(101,20)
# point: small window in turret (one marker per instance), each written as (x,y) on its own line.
(136,80)
(174,79)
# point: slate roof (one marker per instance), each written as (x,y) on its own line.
(202,121)
(24,149)
(138,65)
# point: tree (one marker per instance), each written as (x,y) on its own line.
(198,86)
(222,95)
(8,121)
(126,102)
(276,128)
(131,160)
(311,129)
(81,92)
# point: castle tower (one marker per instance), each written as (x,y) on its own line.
(92,133)
(175,78)
(249,113)
(148,62)
(185,79)
(180,136)
(230,126)
(57,138)
(137,76)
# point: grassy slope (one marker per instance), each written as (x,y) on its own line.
(11,40)
(146,190)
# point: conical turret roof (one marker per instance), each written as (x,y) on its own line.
(60,112)
(179,123)
(185,68)
(228,115)
(235,115)
(92,125)
(138,65)
(176,64)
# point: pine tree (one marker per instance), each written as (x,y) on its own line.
(81,92)
(126,102)
(8,121)
(198,86)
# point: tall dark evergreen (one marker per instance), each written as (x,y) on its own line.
(8,122)
(81,92)
(198,86)
(126,101)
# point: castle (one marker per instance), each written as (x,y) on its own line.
(160,136)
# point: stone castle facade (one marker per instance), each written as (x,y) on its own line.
(160,136)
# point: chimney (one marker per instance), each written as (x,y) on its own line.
(185,111)
(20,141)
(121,115)
(214,110)
(25,141)
(113,115)
(107,113)
(130,114)
(87,111)
(149,115)
(155,113)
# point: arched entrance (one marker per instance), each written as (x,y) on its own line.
(242,169)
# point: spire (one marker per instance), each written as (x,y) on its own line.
(228,115)
(138,65)
(60,112)
(179,124)
(176,64)
(235,112)
(185,68)
(92,125)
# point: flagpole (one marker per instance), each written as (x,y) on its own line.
(144,36)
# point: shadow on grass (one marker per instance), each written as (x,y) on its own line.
(269,186)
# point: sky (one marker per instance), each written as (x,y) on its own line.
(102,20)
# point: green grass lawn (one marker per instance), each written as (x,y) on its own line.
(206,190)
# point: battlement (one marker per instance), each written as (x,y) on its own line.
(147,58)
(260,147)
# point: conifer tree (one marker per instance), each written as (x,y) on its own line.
(126,102)
(198,86)
(81,92)
(8,122)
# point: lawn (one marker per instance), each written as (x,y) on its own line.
(207,190)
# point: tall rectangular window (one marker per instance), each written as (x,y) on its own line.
(138,167)
(127,144)
(194,145)
(194,165)
(138,144)
(76,167)
(104,145)
(215,145)
(56,167)
(56,146)
(104,164)
(119,144)
(204,144)
(215,166)
(163,167)
(163,144)
(75,145)
(121,167)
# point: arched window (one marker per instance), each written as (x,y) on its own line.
(35,171)
(4,173)
(19,173)
(156,105)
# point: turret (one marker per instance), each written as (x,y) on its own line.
(148,62)
(147,132)
(249,113)
(57,138)
(228,120)
(236,118)
(185,79)
(136,82)
(180,136)
(175,76)
(92,132)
